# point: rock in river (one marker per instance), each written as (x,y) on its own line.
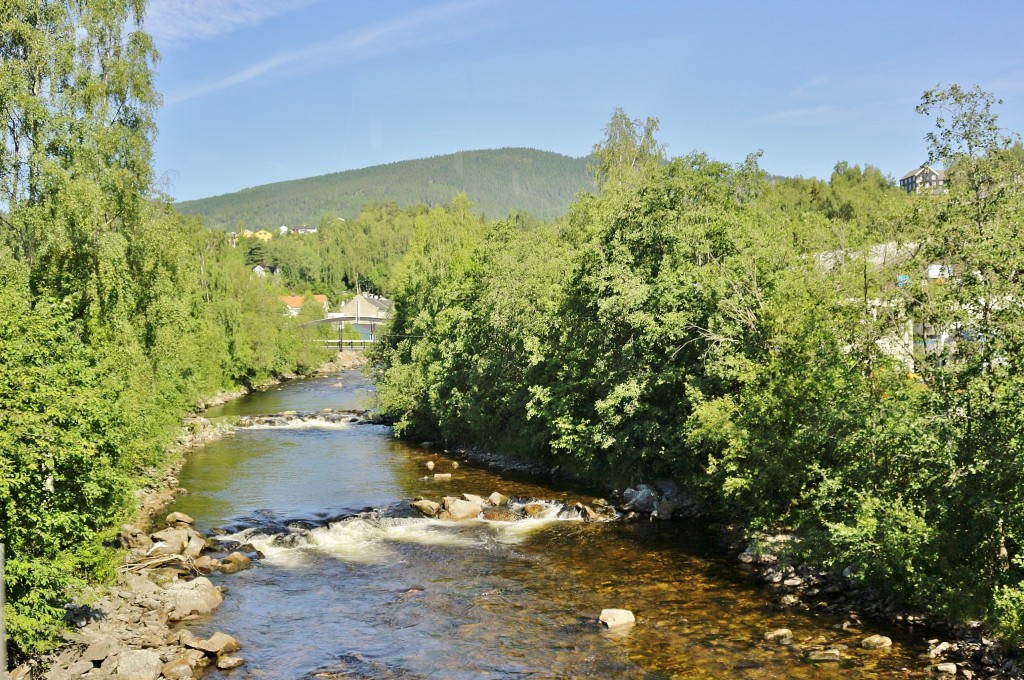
(876,642)
(617,618)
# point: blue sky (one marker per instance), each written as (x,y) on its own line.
(258,91)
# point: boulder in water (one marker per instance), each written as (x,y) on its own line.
(501,513)
(236,561)
(643,498)
(617,618)
(497,499)
(457,509)
(176,517)
(427,507)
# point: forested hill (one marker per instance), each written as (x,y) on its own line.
(498,181)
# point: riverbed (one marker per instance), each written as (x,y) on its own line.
(352,587)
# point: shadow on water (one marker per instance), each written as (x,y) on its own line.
(344,593)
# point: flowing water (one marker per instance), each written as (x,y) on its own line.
(349,592)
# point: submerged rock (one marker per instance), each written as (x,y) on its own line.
(876,642)
(782,636)
(825,656)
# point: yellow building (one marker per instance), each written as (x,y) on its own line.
(263,235)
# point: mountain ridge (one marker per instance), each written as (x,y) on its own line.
(498,181)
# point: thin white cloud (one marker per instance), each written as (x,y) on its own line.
(399,33)
(816,112)
(809,85)
(174,23)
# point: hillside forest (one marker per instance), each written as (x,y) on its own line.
(780,347)
(498,181)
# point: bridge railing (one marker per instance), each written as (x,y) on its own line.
(335,343)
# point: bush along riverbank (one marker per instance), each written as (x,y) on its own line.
(754,340)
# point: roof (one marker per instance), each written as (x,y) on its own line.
(293,301)
(918,170)
(322,299)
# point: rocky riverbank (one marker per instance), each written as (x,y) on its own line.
(961,650)
(133,630)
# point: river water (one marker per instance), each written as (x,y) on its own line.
(345,593)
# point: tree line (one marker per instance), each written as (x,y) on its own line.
(119,313)
(777,346)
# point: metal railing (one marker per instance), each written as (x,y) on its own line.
(347,344)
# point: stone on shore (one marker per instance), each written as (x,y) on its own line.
(132,537)
(228,662)
(195,547)
(139,664)
(617,618)
(876,642)
(947,668)
(169,542)
(188,598)
(217,644)
(178,668)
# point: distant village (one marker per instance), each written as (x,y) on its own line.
(265,235)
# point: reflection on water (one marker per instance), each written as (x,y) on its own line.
(347,593)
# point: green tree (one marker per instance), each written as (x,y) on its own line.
(628,147)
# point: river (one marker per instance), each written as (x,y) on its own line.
(343,593)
